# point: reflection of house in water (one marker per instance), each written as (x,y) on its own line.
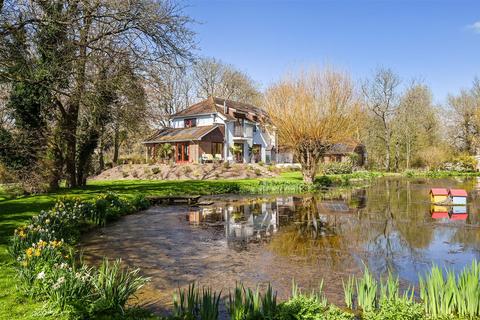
(247,221)
(251,222)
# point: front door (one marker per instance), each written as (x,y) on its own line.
(182,152)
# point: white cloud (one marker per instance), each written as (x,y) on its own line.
(475,27)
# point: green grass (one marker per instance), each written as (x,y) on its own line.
(16,212)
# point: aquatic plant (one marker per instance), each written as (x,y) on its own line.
(245,303)
(468,293)
(389,288)
(186,304)
(348,291)
(367,291)
(209,303)
(445,296)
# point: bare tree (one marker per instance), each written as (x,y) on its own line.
(312,111)
(381,98)
(214,78)
(168,91)
(466,125)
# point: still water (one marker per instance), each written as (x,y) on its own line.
(388,225)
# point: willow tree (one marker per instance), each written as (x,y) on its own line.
(312,111)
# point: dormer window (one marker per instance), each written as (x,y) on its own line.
(190,123)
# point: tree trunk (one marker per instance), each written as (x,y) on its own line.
(116,145)
(70,128)
(387,150)
(309,164)
(101,159)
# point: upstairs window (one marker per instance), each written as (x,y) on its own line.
(189,123)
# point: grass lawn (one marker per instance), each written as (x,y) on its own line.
(16,212)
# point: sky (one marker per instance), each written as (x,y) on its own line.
(437,42)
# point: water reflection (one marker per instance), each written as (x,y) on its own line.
(390,225)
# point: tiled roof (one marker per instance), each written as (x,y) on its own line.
(180,134)
(343,148)
(225,107)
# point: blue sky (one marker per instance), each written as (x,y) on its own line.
(436,41)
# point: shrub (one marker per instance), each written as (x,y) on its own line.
(156,170)
(399,309)
(330,168)
(462,163)
(301,307)
(140,202)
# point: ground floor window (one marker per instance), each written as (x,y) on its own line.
(182,151)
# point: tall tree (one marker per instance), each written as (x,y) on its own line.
(77,35)
(382,99)
(215,78)
(416,123)
(313,111)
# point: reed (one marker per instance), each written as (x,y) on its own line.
(245,303)
(348,291)
(209,304)
(367,291)
(186,303)
(447,295)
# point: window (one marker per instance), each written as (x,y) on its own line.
(189,123)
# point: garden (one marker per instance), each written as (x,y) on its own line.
(47,277)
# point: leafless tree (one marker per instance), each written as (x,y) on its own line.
(214,78)
(382,99)
(312,111)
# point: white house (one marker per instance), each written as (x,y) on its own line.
(217,129)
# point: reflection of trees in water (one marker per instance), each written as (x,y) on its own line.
(393,222)
(311,238)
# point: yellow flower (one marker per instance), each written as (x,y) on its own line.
(24,263)
(29,252)
(37,252)
(41,244)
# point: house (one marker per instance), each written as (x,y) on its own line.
(217,129)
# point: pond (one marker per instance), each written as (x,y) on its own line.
(388,225)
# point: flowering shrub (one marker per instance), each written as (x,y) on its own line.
(463,163)
(47,265)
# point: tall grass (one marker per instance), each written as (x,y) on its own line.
(349,291)
(189,304)
(448,295)
(367,291)
(246,303)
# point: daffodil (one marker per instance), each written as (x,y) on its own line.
(29,252)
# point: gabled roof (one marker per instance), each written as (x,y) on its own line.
(439,191)
(180,134)
(344,148)
(227,108)
(458,193)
